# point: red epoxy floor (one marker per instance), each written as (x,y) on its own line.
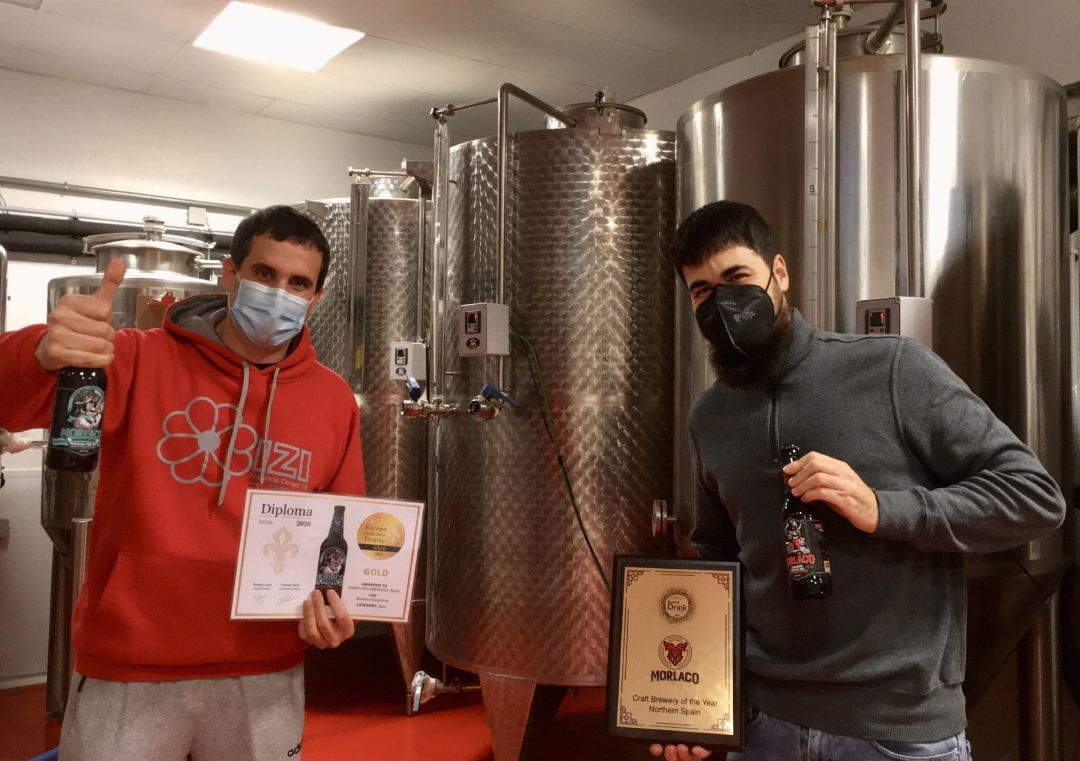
(355,710)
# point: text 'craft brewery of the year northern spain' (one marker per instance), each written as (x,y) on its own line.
(807,557)
(75,433)
(330,572)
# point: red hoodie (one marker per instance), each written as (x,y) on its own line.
(156,601)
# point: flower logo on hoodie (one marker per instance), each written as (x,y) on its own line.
(196,443)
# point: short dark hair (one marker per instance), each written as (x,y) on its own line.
(282,223)
(719,226)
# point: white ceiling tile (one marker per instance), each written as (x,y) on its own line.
(210,96)
(684,36)
(414,109)
(14,25)
(370,97)
(416,68)
(8,56)
(340,120)
(417,53)
(78,70)
(526,44)
(656,26)
(802,13)
(447,78)
(176,19)
(205,67)
(71,37)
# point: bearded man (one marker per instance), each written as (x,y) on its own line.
(913,470)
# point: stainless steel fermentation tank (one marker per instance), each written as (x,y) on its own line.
(374,294)
(160,269)
(993,261)
(514,595)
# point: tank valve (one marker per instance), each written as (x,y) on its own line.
(662,519)
(425,687)
(489,402)
(484,409)
(415,409)
(415,392)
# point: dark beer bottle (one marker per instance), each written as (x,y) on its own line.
(75,433)
(807,557)
(330,572)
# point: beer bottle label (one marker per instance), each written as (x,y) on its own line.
(331,569)
(806,553)
(76,426)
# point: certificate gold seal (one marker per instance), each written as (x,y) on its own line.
(380,536)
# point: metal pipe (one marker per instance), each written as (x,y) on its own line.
(1040,696)
(71,226)
(937,7)
(59,664)
(34,243)
(503,169)
(80,554)
(353,172)
(358,254)
(3,288)
(450,109)
(421,245)
(876,41)
(438,254)
(827,173)
(912,99)
(64,188)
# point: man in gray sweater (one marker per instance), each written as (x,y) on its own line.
(914,470)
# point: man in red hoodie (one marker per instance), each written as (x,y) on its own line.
(226,395)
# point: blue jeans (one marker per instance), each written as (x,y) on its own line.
(769,739)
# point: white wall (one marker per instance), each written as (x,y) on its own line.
(89,135)
(1042,35)
(663,107)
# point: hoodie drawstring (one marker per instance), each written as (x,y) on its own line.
(232,439)
(266,426)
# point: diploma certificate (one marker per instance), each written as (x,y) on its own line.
(365,549)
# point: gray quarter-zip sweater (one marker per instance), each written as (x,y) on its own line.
(883,657)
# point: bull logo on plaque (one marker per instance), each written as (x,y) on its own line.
(675,652)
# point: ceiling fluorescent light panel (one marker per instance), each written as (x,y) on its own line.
(275,37)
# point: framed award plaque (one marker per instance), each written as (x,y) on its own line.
(676,652)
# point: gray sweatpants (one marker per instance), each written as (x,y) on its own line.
(246,718)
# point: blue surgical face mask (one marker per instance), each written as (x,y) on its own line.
(269,317)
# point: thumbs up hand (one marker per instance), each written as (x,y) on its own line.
(80,328)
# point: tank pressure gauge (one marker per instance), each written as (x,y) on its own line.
(900,315)
(483,330)
(408,359)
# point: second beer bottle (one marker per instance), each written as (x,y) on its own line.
(330,572)
(808,569)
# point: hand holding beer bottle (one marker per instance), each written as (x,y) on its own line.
(80,331)
(816,477)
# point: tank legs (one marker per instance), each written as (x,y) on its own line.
(409,644)
(519,711)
